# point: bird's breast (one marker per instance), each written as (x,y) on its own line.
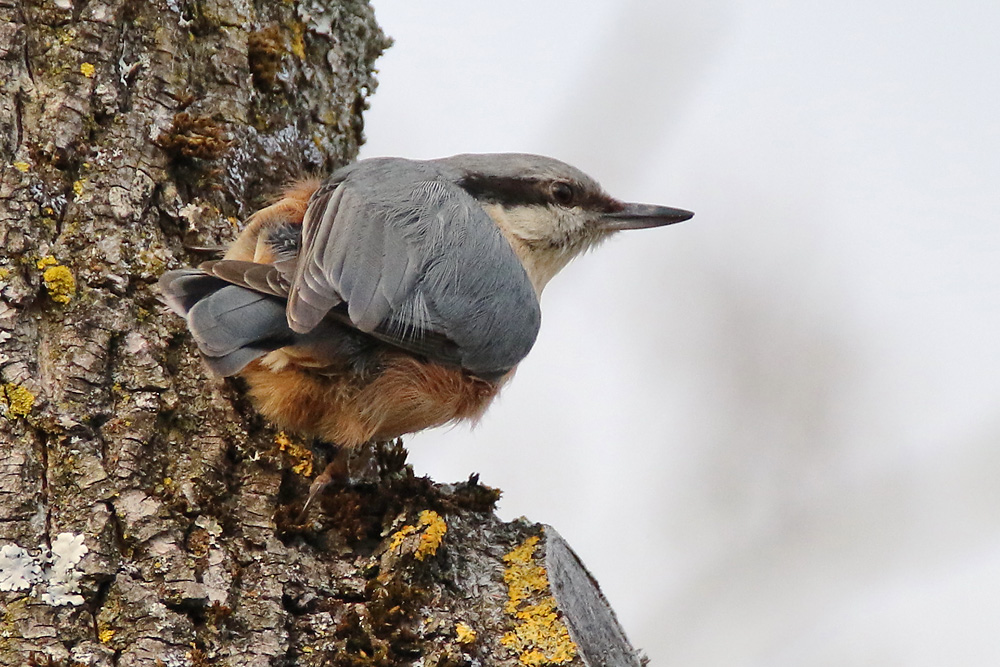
(399,394)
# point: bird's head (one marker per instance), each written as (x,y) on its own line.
(549,211)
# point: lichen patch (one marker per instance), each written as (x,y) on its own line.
(60,283)
(301,456)
(430,526)
(16,400)
(55,572)
(539,636)
(58,279)
(464,633)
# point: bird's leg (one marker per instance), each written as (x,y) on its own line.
(338,469)
(350,466)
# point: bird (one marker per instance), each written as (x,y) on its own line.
(396,294)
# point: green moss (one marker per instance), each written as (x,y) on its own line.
(152,263)
(191,137)
(265,49)
(385,633)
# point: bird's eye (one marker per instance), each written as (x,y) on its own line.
(563,193)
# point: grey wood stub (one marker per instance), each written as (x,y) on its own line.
(592,624)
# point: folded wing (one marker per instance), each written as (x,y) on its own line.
(418,264)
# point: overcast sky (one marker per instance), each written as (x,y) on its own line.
(772,432)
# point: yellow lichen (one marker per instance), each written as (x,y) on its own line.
(22,166)
(523,576)
(302,456)
(48,260)
(105,635)
(60,283)
(400,535)
(464,633)
(435,528)
(4,273)
(298,40)
(78,186)
(539,636)
(432,528)
(17,400)
(87,69)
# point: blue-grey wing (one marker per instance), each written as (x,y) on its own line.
(418,263)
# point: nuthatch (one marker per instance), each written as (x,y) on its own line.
(397,294)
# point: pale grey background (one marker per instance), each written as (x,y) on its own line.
(771,432)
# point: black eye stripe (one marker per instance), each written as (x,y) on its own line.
(511,191)
(506,191)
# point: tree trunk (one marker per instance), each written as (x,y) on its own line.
(147,514)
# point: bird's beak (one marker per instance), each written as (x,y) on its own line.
(642,216)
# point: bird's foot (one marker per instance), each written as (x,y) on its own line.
(336,470)
(350,466)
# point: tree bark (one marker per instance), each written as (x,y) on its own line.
(147,514)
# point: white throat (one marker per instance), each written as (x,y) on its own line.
(545,243)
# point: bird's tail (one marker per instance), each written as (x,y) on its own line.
(232,325)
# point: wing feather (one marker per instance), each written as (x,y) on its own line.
(264,278)
(418,263)
(312,294)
